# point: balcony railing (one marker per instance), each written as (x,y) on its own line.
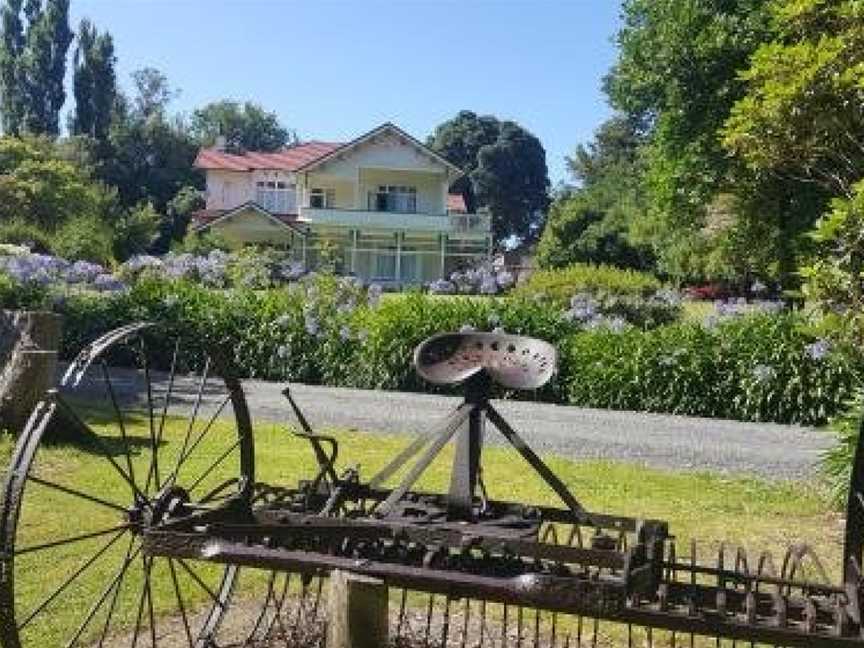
(470,223)
(447,223)
(277,201)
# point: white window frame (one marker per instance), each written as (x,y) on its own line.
(325,198)
(276,196)
(397,199)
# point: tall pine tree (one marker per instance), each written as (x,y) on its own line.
(94,81)
(33,65)
(11,49)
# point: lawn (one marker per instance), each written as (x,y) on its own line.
(736,509)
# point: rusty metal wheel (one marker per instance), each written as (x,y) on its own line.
(143,430)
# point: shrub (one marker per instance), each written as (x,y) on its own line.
(837,460)
(136,231)
(29,296)
(85,238)
(324,329)
(21,232)
(755,368)
(558,286)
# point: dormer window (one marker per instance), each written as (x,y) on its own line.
(322,198)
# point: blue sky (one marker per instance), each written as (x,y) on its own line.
(334,69)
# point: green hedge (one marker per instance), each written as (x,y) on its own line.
(560,285)
(758,367)
(753,368)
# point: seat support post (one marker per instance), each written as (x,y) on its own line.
(466,461)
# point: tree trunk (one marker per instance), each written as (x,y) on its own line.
(29,342)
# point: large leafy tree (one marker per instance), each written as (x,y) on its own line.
(244,127)
(803,114)
(677,73)
(802,123)
(41,188)
(94,81)
(591,223)
(505,171)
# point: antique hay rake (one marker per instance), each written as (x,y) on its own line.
(140,539)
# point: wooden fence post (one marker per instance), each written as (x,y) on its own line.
(29,341)
(358,612)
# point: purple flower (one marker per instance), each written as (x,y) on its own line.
(442,287)
(83,272)
(818,349)
(108,283)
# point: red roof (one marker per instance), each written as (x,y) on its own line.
(288,159)
(456,203)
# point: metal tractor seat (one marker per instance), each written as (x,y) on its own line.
(512,361)
(477,361)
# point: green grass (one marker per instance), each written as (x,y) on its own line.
(739,510)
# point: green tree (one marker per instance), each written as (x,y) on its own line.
(803,114)
(245,127)
(11,48)
(148,155)
(43,64)
(592,222)
(505,171)
(460,140)
(153,93)
(39,187)
(94,81)
(677,73)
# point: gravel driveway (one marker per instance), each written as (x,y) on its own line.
(768,450)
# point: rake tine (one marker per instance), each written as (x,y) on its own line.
(650,633)
(629,635)
(567,641)
(482,621)
(594,634)
(536,628)
(554,628)
(519,627)
(317,597)
(445,629)
(578,632)
(401,612)
(465,616)
(429,612)
(504,628)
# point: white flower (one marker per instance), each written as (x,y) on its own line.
(763,373)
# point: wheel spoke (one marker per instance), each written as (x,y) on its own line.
(114,585)
(180,604)
(78,538)
(183,457)
(200,582)
(195,408)
(71,579)
(106,376)
(154,460)
(76,493)
(171,374)
(148,565)
(213,466)
(83,427)
(130,557)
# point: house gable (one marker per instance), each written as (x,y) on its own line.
(253,220)
(386,147)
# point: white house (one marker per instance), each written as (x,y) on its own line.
(378,206)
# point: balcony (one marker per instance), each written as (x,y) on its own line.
(461,224)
